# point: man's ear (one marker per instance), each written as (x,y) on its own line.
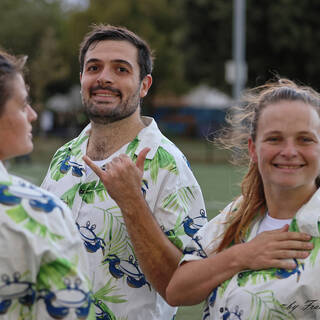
(80,76)
(145,85)
(252,150)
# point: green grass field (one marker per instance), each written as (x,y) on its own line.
(218,180)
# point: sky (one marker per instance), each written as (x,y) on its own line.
(73,3)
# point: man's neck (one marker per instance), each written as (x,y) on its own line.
(105,139)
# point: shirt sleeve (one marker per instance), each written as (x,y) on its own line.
(177,204)
(208,238)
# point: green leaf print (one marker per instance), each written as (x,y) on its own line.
(316,247)
(86,192)
(315,250)
(116,236)
(180,199)
(104,309)
(101,191)
(69,196)
(178,230)
(264,306)
(223,286)
(103,294)
(154,165)
(52,274)
(315,240)
(24,312)
(255,276)
(21,216)
(72,148)
(89,190)
(161,160)
(294,226)
(58,155)
(92,313)
(132,147)
(173,237)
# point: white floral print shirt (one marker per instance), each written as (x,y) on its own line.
(121,290)
(264,294)
(43,268)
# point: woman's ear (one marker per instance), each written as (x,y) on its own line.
(252,150)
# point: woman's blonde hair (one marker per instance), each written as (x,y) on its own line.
(242,123)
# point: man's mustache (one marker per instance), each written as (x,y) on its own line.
(113,90)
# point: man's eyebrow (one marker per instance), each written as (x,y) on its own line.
(123,61)
(95,60)
(92,60)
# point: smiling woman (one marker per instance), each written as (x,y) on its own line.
(244,261)
(287,150)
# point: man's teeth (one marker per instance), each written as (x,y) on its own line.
(105,95)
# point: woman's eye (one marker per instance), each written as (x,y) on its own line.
(306,139)
(273,139)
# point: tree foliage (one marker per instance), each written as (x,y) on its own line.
(30,27)
(155,21)
(282,38)
(191,39)
(207,40)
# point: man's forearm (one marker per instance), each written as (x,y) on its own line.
(157,255)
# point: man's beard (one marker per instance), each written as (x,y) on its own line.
(119,112)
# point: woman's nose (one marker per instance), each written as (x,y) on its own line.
(32,115)
(289,149)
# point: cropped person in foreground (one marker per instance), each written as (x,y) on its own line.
(43,269)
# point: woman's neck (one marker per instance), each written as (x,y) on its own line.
(284,204)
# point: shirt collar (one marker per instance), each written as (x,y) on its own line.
(307,216)
(150,136)
(3,171)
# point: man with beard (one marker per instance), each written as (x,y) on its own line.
(133,196)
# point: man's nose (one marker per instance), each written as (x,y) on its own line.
(105,77)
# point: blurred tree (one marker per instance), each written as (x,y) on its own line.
(283,38)
(47,67)
(208,41)
(158,22)
(192,39)
(23,23)
(29,27)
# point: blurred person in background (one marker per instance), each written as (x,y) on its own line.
(141,203)
(279,130)
(43,269)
